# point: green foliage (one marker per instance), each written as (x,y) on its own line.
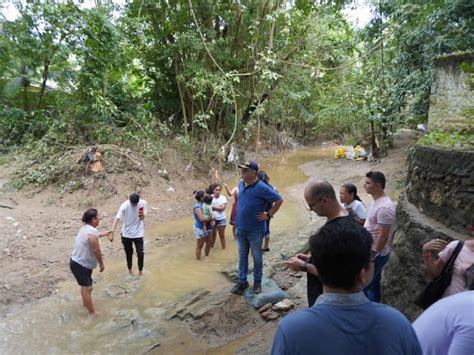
(457,140)
(211,72)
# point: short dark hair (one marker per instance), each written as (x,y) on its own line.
(208,199)
(377,177)
(89,215)
(339,251)
(262,175)
(198,195)
(134,198)
(211,187)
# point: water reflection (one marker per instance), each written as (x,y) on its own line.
(132,310)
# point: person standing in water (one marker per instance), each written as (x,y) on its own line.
(262,175)
(132,213)
(201,231)
(219,203)
(233,213)
(86,255)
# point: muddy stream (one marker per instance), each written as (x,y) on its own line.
(59,325)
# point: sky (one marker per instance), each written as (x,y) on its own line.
(358,14)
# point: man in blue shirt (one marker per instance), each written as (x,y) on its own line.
(343,320)
(254,195)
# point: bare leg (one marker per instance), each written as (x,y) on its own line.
(86,293)
(208,247)
(233,230)
(213,236)
(199,245)
(221,230)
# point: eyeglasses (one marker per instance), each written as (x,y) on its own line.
(310,206)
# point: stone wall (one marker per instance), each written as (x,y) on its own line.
(438,202)
(404,277)
(440,183)
(451,100)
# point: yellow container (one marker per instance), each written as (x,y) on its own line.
(340,152)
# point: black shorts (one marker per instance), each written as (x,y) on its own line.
(82,274)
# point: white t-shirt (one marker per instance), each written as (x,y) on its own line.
(218,215)
(358,209)
(382,212)
(447,327)
(82,252)
(132,226)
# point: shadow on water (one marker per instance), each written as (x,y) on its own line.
(133,311)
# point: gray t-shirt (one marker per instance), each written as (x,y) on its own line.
(82,253)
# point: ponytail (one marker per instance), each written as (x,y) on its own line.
(352,189)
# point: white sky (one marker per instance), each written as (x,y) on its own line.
(359,14)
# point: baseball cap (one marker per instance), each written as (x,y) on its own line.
(249,165)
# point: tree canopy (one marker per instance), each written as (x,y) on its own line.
(153,70)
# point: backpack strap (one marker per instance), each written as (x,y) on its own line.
(454,255)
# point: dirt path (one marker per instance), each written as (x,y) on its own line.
(39,228)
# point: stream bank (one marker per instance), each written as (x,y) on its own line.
(49,236)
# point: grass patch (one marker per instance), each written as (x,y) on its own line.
(456,140)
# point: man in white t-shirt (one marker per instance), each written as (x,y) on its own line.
(380,223)
(132,213)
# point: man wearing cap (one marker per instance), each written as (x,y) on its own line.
(254,195)
(132,213)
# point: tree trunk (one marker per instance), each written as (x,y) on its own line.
(43,83)
(181,99)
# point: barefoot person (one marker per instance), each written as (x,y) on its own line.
(201,232)
(86,255)
(219,204)
(132,213)
(262,175)
(233,213)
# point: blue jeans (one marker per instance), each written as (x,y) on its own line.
(372,291)
(250,241)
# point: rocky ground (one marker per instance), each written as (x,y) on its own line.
(38,227)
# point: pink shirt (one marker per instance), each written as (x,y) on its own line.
(462,262)
(382,212)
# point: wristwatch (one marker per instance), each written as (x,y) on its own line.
(304,268)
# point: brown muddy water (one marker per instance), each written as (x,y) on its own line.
(59,325)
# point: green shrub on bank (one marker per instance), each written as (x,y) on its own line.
(457,140)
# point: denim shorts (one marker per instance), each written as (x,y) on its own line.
(200,233)
(221,222)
